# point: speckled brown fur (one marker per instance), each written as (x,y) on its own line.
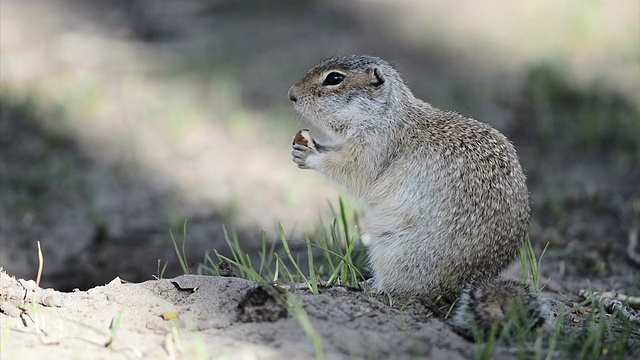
(445,196)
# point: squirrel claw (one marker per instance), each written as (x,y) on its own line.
(301,154)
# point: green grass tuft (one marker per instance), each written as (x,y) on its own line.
(531,263)
(333,256)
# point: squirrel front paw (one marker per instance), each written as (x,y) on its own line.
(303,156)
(304,149)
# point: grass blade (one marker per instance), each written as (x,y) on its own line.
(181,256)
(285,243)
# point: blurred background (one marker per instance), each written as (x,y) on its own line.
(121,119)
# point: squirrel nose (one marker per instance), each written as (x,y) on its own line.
(292,94)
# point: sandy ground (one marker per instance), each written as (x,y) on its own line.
(80,324)
(217,317)
(211,317)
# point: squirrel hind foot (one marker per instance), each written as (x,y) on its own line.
(488,308)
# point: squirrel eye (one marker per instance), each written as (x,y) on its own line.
(334,78)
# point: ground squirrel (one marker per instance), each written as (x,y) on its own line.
(447,206)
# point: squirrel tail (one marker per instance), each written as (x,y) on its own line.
(495,305)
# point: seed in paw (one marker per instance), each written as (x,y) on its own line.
(304,138)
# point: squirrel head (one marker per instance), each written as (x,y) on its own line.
(348,93)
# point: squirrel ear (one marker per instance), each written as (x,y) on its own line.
(377,78)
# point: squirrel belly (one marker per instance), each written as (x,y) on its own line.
(446,198)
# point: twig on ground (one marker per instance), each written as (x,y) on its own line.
(612,305)
(615,301)
(633,301)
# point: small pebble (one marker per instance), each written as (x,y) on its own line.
(10,309)
(581,311)
(50,300)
